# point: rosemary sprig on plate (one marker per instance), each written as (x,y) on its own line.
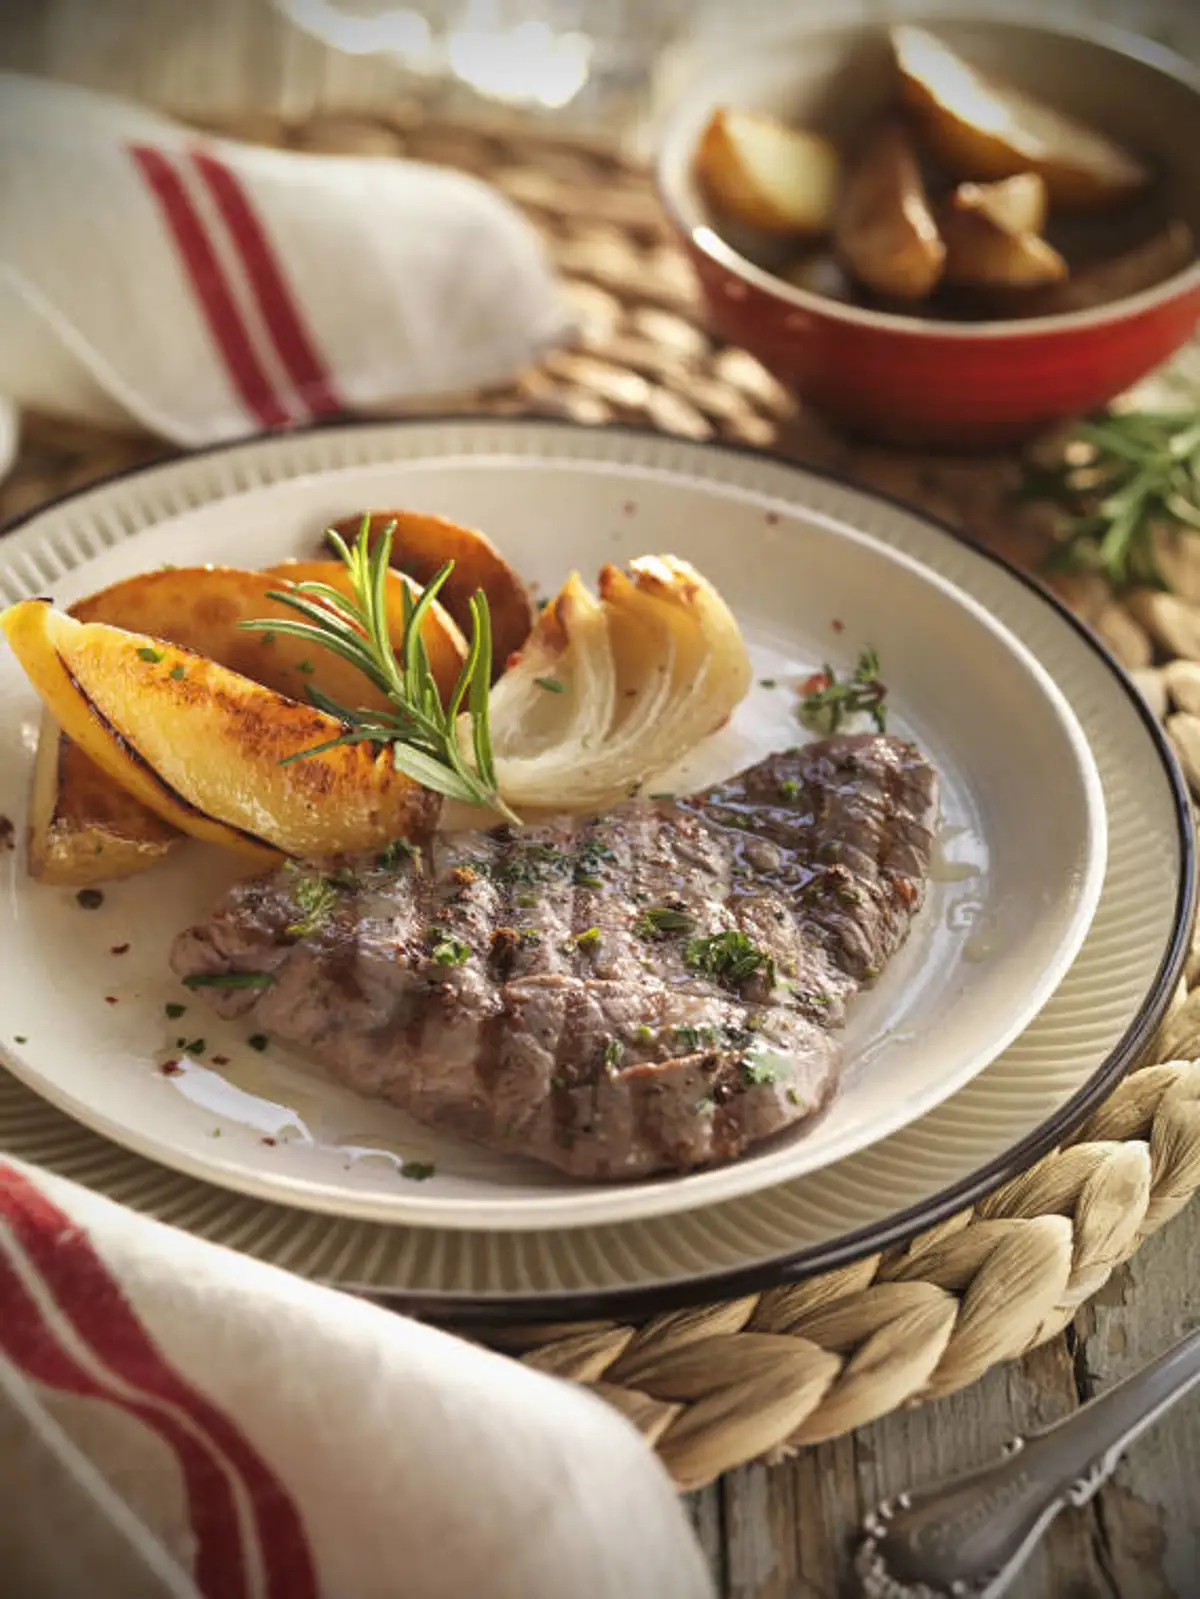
(826,702)
(1123,474)
(421,731)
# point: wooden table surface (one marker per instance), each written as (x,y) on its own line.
(783,1532)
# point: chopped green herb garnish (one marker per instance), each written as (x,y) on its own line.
(551,684)
(89,899)
(417,1171)
(588,862)
(306,667)
(793,1098)
(20,1038)
(148,653)
(767,682)
(693,1038)
(529,936)
(758,1073)
(229,980)
(643,1033)
(258,1041)
(789,789)
(731,957)
(525,901)
(614,1050)
(266,638)
(656,921)
(314,897)
(447,949)
(174,1009)
(826,702)
(194,1046)
(179,672)
(588,939)
(398,851)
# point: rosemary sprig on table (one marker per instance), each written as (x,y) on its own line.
(1123,474)
(826,703)
(421,731)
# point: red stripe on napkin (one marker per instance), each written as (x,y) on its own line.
(246,372)
(280,310)
(30,1343)
(93,1302)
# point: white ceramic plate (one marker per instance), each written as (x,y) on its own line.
(1019,871)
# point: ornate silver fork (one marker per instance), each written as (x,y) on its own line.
(968,1538)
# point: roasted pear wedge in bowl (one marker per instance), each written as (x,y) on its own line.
(209,751)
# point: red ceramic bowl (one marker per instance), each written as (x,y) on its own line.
(913,380)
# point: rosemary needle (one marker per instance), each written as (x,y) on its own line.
(421,732)
(1136,471)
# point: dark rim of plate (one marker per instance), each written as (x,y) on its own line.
(640,1302)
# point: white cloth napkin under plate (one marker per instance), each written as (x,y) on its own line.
(204,289)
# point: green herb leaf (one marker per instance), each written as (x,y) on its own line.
(179,672)
(174,1010)
(229,980)
(417,1171)
(1121,475)
(826,702)
(758,1073)
(397,853)
(588,939)
(614,1051)
(258,1041)
(146,653)
(314,897)
(446,949)
(551,684)
(731,957)
(656,921)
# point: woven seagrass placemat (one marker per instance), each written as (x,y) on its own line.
(759,1376)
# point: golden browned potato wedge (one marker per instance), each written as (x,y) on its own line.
(1016,204)
(1151,262)
(421,546)
(885,232)
(980,254)
(986,130)
(763,173)
(83,828)
(207,749)
(202,608)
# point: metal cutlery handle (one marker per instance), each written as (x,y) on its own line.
(969,1537)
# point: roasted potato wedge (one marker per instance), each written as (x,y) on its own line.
(986,130)
(84,828)
(981,254)
(204,748)
(761,172)
(421,546)
(1151,262)
(615,686)
(885,232)
(1017,204)
(202,609)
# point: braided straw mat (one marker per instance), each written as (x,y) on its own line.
(758,1377)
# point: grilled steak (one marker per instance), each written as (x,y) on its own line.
(657,988)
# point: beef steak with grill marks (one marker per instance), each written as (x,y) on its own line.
(653,989)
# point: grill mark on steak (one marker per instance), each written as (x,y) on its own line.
(610,1055)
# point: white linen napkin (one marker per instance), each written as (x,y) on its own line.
(180,1422)
(204,289)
